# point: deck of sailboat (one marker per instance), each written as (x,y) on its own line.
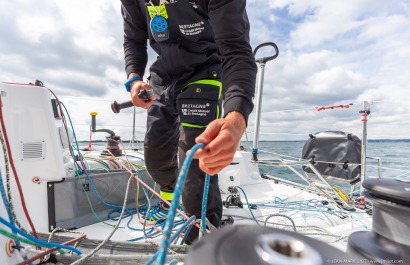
(279,204)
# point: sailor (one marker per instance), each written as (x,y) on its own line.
(204,61)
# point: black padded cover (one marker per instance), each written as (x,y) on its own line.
(334,146)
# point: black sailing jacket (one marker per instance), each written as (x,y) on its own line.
(202,36)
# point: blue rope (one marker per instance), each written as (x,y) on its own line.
(154,232)
(85,171)
(175,201)
(118,207)
(174,236)
(72,128)
(74,135)
(247,202)
(35,240)
(151,232)
(186,234)
(79,155)
(204,203)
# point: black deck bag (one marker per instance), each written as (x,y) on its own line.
(337,147)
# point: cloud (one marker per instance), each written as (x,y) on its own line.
(67,45)
(333,53)
(330,53)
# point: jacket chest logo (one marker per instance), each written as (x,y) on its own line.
(192,29)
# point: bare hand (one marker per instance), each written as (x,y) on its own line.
(135,89)
(221,139)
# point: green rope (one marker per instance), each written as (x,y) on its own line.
(24,240)
(91,206)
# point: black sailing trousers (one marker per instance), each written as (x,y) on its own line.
(166,140)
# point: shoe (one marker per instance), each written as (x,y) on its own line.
(155,214)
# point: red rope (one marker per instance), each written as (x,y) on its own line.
(23,202)
(41,255)
(89,143)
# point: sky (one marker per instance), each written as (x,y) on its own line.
(331,52)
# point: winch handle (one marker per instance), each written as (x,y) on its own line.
(268,58)
(116,107)
(144,95)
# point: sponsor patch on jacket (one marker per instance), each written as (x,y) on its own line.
(192,29)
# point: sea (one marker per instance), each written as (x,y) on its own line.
(394,155)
